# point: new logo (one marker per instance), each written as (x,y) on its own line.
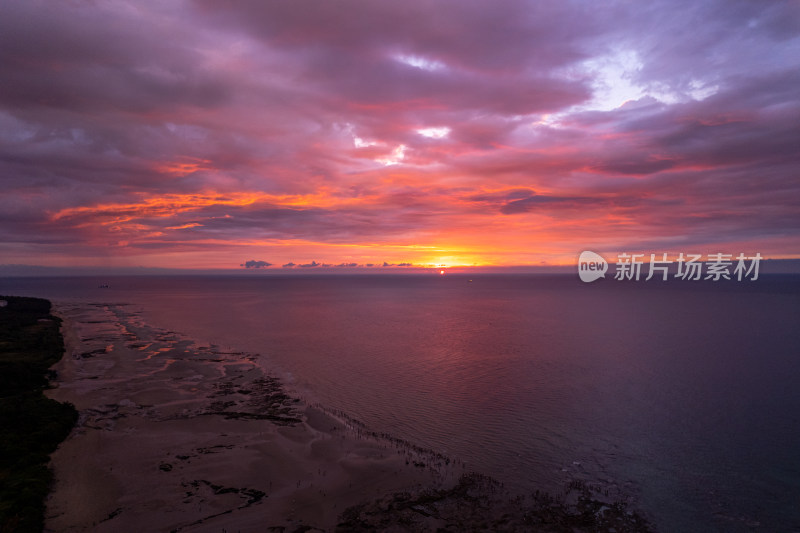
(591,266)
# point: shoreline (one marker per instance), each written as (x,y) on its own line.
(176,436)
(180,436)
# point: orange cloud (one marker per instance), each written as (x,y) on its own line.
(168,205)
(183,167)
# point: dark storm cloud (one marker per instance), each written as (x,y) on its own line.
(464,34)
(62,56)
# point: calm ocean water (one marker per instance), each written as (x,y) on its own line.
(682,396)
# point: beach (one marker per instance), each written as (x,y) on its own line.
(173,436)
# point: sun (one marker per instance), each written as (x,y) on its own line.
(441,272)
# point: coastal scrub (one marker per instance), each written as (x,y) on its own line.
(31,425)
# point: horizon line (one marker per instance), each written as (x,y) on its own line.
(768,266)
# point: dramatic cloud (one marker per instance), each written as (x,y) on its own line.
(182,134)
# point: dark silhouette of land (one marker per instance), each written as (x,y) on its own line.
(31,425)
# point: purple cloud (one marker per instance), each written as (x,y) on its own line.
(204,125)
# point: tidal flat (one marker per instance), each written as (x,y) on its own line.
(179,436)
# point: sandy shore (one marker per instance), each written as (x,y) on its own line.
(174,436)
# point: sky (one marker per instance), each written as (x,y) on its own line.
(321,134)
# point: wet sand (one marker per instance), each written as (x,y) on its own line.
(174,436)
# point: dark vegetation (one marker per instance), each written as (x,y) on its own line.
(31,425)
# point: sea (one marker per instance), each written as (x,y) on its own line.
(681,398)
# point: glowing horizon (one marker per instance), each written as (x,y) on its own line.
(205,135)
